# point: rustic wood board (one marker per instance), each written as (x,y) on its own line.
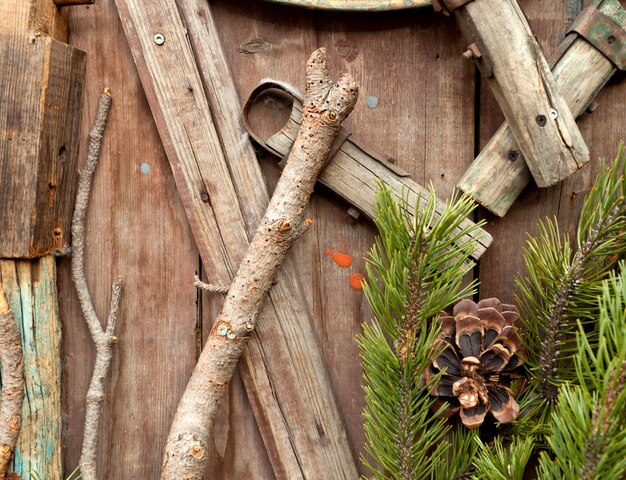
(136,229)
(42,80)
(29,286)
(424,117)
(602,131)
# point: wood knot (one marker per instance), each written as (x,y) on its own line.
(284,225)
(197,451)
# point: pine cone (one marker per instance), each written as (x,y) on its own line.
(481,352)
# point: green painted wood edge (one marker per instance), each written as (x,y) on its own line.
(356,5)
(30,287)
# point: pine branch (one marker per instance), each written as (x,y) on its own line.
(415,270)
(587,434)
(502,462)
(562,284)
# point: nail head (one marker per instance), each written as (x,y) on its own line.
(159,38)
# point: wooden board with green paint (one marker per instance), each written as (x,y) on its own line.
(30,287)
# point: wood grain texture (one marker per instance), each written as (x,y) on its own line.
(424,117)
(432,102)
(602,131)
(42,80)
(32,19)
(499,173)
(309,432)
(354,174)
(137,230)
(539,119)
(29,287)
(357,5)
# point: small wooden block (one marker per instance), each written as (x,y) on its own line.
(538,117)
(42,82)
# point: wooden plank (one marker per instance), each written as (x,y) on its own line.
(602,131)
(137,230)
(300,414)
(29,286)
(354,172)
(499,173)
(43,82)
(32,19)
(518,75)
(357,5)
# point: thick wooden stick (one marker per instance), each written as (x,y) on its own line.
(103,338)
(499,173)
(326,106)
(12,394)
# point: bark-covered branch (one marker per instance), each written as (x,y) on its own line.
(103,338)
(325,107)
(12,395)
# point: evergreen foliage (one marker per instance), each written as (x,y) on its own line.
(572,304)
(501,462)
(587,435)
(415,270)
(563,282)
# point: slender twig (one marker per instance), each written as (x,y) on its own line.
(325,107)
(103,338)
(12,394)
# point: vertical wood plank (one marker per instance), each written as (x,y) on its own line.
(137,230)
(299,419)
(31,290)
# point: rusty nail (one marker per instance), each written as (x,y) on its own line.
(541,120)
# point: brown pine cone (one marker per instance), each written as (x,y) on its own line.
(481,354)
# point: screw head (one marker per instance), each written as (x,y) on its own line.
(553,114)
(159,39)
(513,155)
(611,40)
(541,120)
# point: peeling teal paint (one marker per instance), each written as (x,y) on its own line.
(30,287)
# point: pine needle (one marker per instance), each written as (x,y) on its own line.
(415,270)
(562,284)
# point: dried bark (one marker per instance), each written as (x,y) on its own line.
(12,394)
(325,107)
(103,338)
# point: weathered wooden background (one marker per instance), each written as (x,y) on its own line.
(420,103)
